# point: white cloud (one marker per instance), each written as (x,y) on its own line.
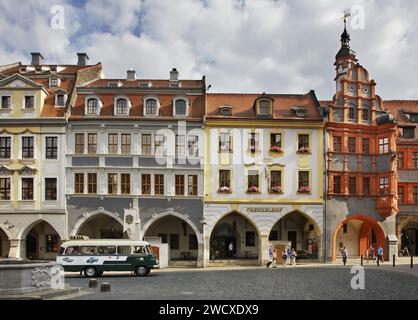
(250,46)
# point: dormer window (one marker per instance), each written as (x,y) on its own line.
(300,112)
(264,106)
(180,107)
(60,99)
(54,82)
(121,106)
(114,84)
(225,110)
(92,107)
(5,102)
(29,102)
(151,107)
(264,109)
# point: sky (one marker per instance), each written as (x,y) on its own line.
(251,46)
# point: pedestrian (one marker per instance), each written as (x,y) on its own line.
(379,254)
(370,254)
(274,263)
(344,254)
(284,257)
(231,249)
(293,258)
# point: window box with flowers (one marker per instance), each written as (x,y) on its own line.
(304,150)
(225,189)
(253,189)
(276,149)
(276,189)
(304,189)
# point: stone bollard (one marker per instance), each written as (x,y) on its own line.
(394,259)
(93,283)
(412,262)
(361,260)
(105,287)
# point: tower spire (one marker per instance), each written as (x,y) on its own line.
(345,50)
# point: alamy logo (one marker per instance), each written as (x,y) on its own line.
(58,18)
(358,280)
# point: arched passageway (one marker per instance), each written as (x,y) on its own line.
(4,244)
(42,241)
(102,226)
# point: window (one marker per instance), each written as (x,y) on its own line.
(384,185)
(6,102)
(159,145)
(351,144)
(401,194)
(276,181)
(303,143)
(174,242)
(52,243)
(408,132)
(27,188)
(276,142)
(146,183)
(384,145)
(413,117)
(365,114)
(50,189)
(253,181)
(124,250)
(92,143)
(27,147)
(92,183)
(5,188)
(366,186)
(224,142)
(151,107)
(224,180)
(5,147)
(352,185)
(92,106)
(51,147)
(159,184)
(79,183)
(180,145)
(192,185)
(250,239)
(415,194)
(79,143)
(179,185)
(126,143)
(303,183)
(345,228)
(146,144)
(253,142)
(264,108)
(180,107)
(121,106)
(337,184)
(112,141)
(61,100)
(125,183)
(415,160)
(193,242)
(112,183)
(365,145)
(29,102)
(400,160)
(193,146)
(337,145)
(351,113)
(53,82)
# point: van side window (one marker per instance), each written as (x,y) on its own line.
(125,250)
(107,250)
(88,250)
(140,249)
(72,251)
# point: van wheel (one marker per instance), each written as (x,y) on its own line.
(142,271)
(90,272)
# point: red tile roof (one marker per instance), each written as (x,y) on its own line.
(156,83)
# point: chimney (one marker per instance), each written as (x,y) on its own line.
(174,75)
(131,75)
(37,59)
(82,59)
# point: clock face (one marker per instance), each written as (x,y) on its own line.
(365,90)
(351,88)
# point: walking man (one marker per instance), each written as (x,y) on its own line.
(380,254)
(284,257)
(344,254)
(293,258)
(370,254)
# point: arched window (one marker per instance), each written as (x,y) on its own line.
(92,106)
(180,107)
(264,108)
(121,106)
(151,107)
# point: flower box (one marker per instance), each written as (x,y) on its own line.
(276,189)
(275,149)
(253,189)
(303,150)
(224,189)
(304,190)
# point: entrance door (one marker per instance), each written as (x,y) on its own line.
(32,246)
(292,236)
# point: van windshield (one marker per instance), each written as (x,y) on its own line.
(140,249)
(62,249)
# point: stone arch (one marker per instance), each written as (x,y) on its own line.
(24,232)
(6,232)
(4,242)
(304,214)
(89,215)
(159,216)
(370,224)
(247,217)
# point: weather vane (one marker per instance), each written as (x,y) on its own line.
(346,15)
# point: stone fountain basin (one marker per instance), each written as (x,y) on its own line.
(25,275)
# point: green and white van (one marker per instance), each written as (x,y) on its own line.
(93,257)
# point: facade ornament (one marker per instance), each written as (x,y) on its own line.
(5,171)
(26,171)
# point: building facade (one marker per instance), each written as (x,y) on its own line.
(406,118)
(34,101)
(361,202)
(263,175)
(137,144)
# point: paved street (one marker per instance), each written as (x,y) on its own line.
(322,282)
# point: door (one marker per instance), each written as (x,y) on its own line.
(32,246)
(292,237)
